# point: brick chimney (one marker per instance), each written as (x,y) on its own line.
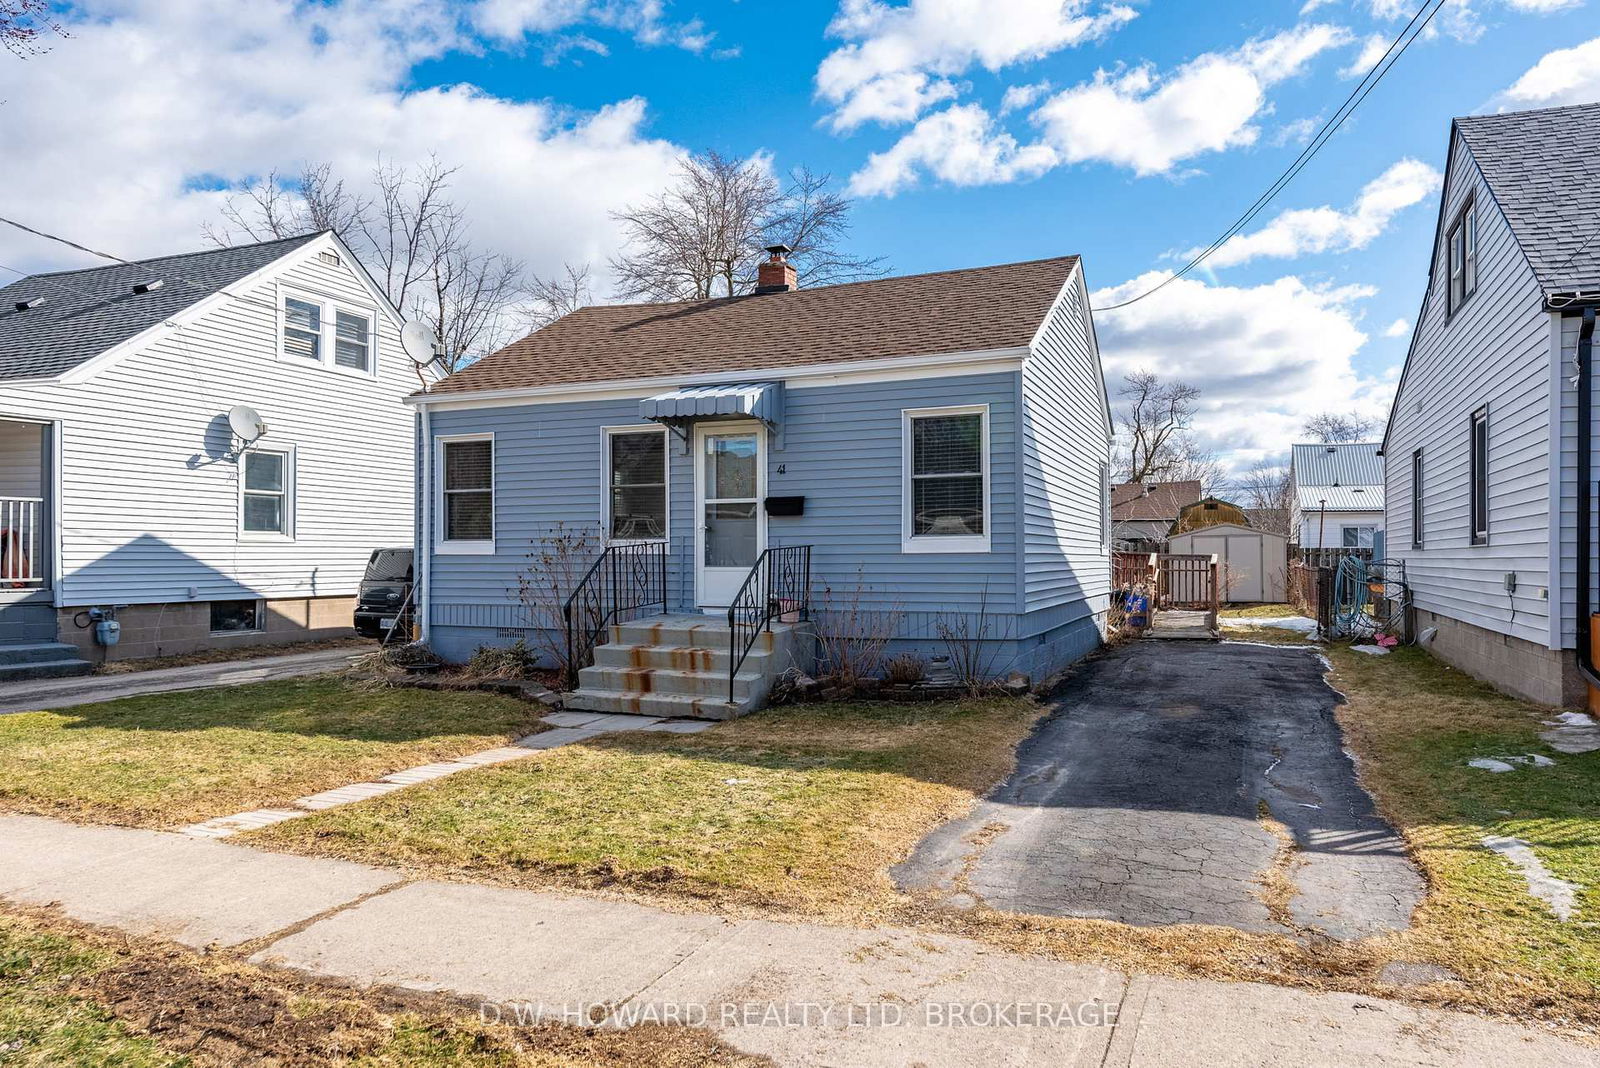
(777,275)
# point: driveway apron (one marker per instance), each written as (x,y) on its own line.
(1183,783)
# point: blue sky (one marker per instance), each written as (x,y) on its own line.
(973,133)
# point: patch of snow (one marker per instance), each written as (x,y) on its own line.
(1572,732)
(1573,719)
(1506,763)
(1370,650)
(1490,764)
(1560,895)
(1536,760)
(1298,624)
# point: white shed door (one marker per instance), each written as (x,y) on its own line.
(1239,564)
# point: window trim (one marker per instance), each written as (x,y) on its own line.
(1344,528)
(261,617)
(1478,471)
(605,482)
(463,546)
(328,331)
(1469,256)
(944,543)
(1416,499)
(287,533)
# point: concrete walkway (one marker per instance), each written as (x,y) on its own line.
(804,994)
(37,694)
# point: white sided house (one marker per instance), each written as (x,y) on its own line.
(1489,466)
(125,494)
(1335,495)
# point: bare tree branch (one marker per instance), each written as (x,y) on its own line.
(24,24)
(1154,442)
(1340,427)
(548,299)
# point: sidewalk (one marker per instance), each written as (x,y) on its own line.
(36,694)
(803,994)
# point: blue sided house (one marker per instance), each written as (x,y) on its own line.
(679,501)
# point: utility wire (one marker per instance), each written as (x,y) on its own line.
(134,263)
(1370,81)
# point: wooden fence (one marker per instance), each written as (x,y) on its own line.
(1132,569)
(1315,558)
(1188,581)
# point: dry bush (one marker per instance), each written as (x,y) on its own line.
(558,561)
(852,633)
(906,669)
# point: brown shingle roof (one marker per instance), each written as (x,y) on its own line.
(1130,502)
(913,315)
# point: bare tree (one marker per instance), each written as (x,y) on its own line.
(1265,487)
(411,237)
(548,299)
(703,235)
(1154,439)
(1340,427)
(24,24)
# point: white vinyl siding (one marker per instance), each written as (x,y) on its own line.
(153,515)
(1494,352)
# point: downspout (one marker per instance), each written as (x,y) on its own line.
(1585,492)
(424,562)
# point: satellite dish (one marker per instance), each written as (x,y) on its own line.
(419,342)
(245,423)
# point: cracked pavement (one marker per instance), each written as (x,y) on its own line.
(1139,799)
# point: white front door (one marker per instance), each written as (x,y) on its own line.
(730,476)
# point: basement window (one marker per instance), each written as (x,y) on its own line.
(237,617)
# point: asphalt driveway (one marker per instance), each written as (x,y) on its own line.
(1166,787)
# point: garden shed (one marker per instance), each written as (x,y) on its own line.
(1252,565)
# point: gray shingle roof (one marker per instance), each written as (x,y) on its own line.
(1356,464)
(1544,170)
(86,312)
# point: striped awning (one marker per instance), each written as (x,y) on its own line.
(756,400)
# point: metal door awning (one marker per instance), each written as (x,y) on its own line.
(753,400)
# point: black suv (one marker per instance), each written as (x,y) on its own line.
(385,590)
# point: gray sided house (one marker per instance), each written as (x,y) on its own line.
(125,492)
(1488,468)
(936,444)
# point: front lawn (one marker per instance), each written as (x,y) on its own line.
(802,807)
(166,760)
(74,995)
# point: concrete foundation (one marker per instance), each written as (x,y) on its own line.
(1513,665)
(185,627)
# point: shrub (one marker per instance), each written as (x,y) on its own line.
(906,669)
(514,661)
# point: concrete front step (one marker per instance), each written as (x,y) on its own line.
(676,658)
(699,632)
(670,681)
(40,660)
(665,705)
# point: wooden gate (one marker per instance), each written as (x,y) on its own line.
(1186,581)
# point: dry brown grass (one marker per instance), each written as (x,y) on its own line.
(226,656)
(73,994)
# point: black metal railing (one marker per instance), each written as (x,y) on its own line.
(777,588)
(624,579)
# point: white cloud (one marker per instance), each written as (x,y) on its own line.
(960,145)
(1373,49)
(512,20)
(1149,122)
(896,51)
(131,124)
(1264,357)
(1398,328)
(1565,76)
(1306,231)
(1018,97)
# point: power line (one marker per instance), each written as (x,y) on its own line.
(134,263)
(1370,81)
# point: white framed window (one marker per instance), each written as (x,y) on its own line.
(1478,445)
(1461,258)
(237,617)
(328,333)
(466,493)
(266,493)
(945,479)
(636,495)
(1356,537)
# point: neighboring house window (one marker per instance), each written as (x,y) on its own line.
(466,483)
(236,617)
(1416,499)
(265,492)
(328,333)
(1356,537)
(1480,476)
(1461,251)
(946,479)
(352,343)
(636,484)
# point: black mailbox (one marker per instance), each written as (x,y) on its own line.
(786,506)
